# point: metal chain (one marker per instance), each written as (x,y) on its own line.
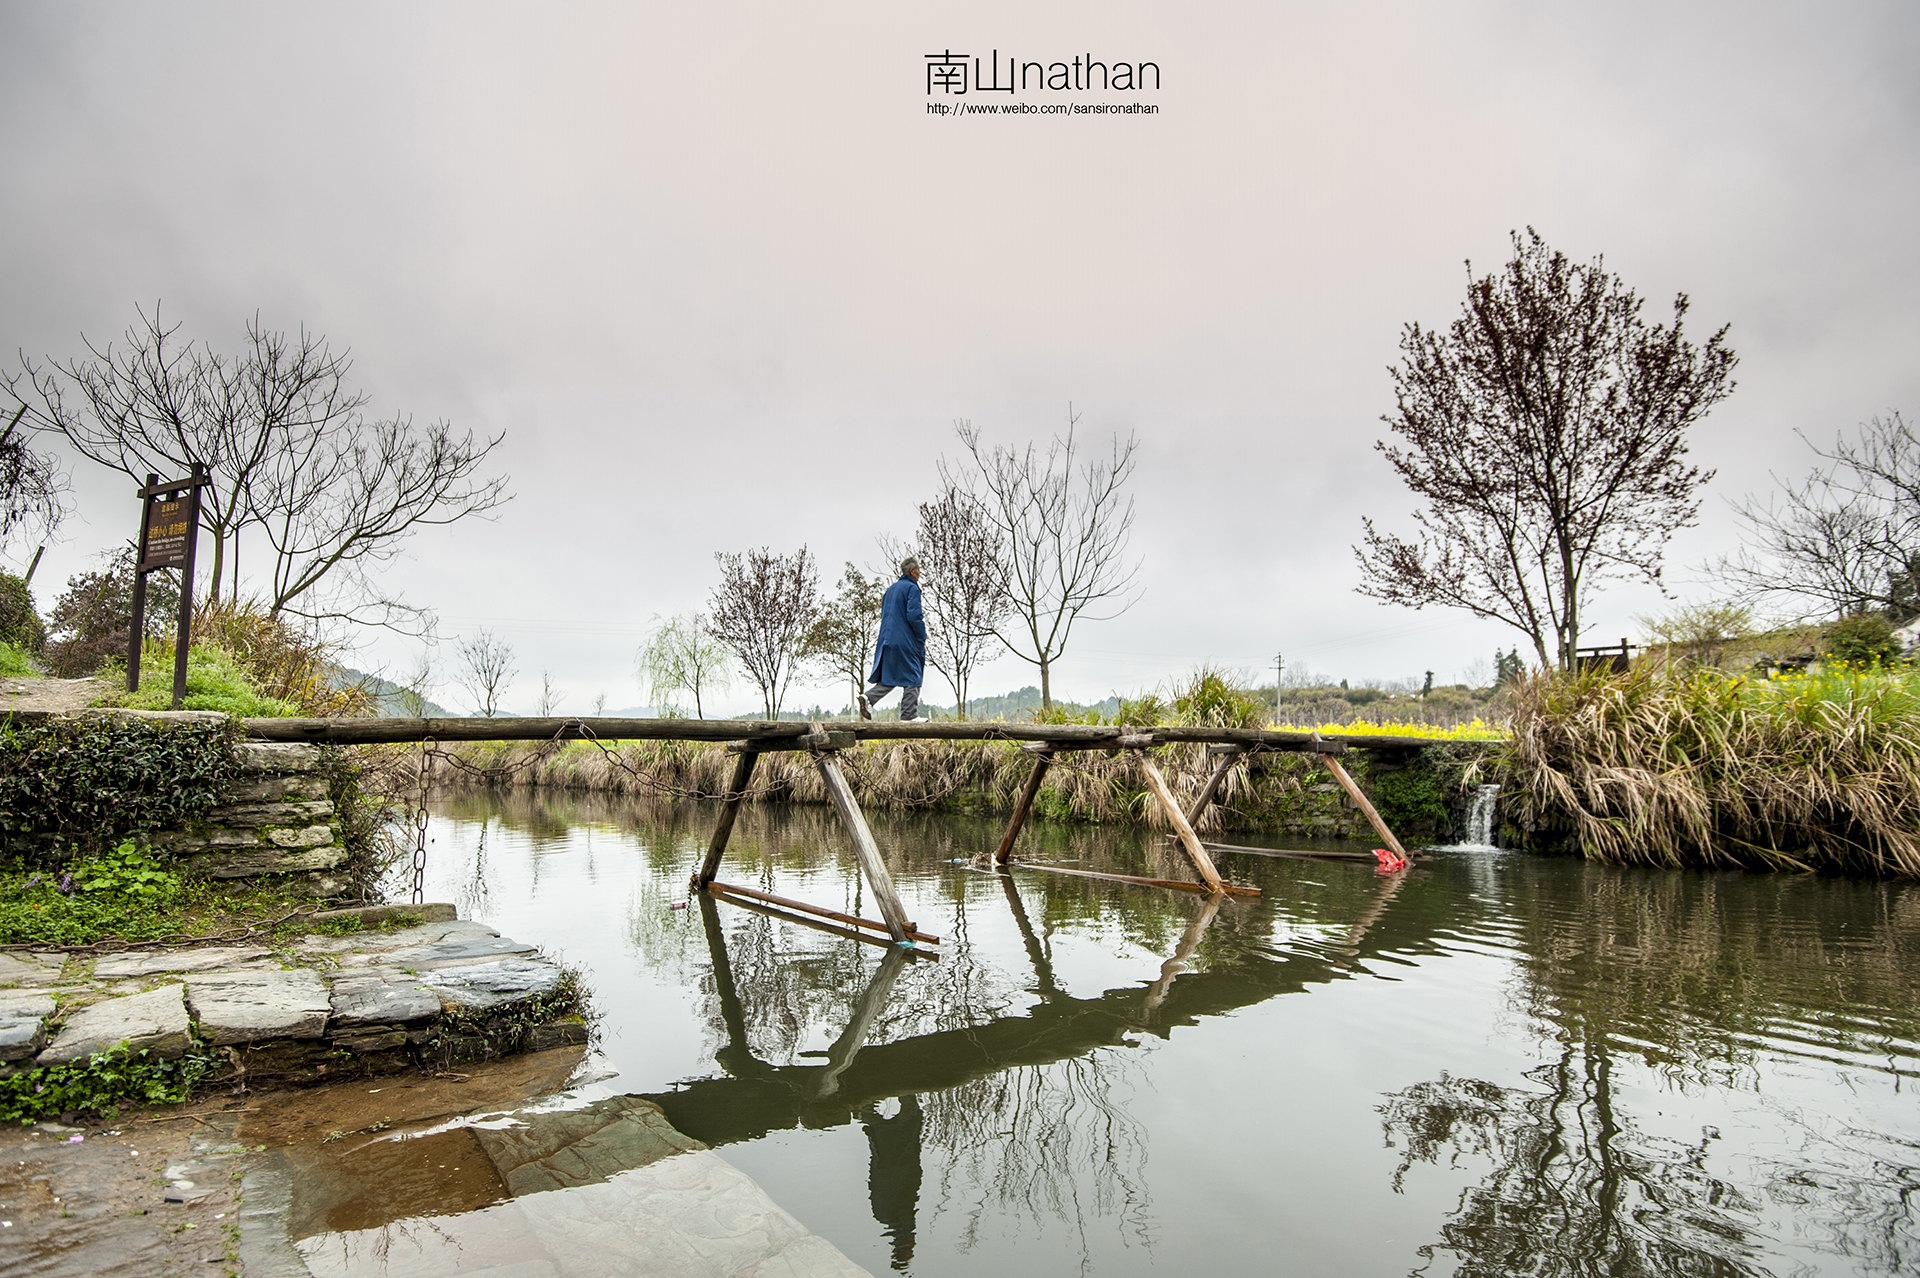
(420,821)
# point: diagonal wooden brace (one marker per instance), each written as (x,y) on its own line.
(865,850)
(1229,756)
(736,795)
(1360,801)
(1202,863)
(1042,760)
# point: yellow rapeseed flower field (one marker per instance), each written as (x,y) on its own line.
(1477,730)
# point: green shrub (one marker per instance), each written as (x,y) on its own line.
(14,662)
(79,784)
(19,623)
(1864,639)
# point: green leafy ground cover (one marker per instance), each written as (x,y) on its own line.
(101,1084)
(126,895)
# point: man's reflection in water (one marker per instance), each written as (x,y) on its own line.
(893,1173)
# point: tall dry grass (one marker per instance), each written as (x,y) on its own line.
(1680,767)
(899,775)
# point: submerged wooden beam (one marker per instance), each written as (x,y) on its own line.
(1179,885)
(819,911)
(1202,863)
(1360,800)
(723,829)
(1308,853)
(1043,759)
(865,850)
(817,924)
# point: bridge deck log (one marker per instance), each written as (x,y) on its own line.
(785,734)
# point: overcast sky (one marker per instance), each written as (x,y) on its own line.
(724,282)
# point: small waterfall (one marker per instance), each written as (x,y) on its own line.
(1480,817)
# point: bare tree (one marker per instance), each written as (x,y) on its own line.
(348,501)
(680,656)
(1845,539)
(32,488)
(1546,430)
(289,450)
(549,695)
(599,704)
(762,610)
(1066,523)
(842,637)
(963,559)
(486,668)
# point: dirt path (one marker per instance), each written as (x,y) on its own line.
(57,695)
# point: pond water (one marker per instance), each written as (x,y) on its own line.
(1493,1064)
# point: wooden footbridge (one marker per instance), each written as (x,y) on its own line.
(748,739)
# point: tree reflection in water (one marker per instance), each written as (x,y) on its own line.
(1685,983)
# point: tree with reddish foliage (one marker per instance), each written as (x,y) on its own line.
(762,609)
(1546,431)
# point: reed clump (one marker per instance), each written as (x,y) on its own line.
(1693,766)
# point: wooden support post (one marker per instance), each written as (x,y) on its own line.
(1042,760)
(736,795)
(864,849)
(1360,801)
(1228,757)
(1188,839)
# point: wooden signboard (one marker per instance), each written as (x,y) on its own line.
(169,522)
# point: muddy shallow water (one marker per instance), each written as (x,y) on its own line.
(1493,1064)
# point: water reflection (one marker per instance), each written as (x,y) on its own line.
(1578,1070)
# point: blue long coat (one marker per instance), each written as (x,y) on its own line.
(899,660)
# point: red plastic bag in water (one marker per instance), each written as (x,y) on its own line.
(1390,862)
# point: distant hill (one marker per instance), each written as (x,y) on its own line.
(387,696)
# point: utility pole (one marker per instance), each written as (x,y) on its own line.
(1279,664)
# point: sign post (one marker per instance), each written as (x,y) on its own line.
(169,527)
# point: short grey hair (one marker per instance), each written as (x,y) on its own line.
(908,564)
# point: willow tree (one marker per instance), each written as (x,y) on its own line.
(1546,431)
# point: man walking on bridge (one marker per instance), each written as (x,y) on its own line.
(899,660)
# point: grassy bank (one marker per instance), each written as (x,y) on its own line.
(1698,767)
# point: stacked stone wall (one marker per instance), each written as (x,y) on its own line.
(279,819)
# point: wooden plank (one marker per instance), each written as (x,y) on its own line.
(1043,759)
(1178,885)
(788,903)
(1202,863)
(1360,800)
(840,740)
(723,830)
(865,850)
(1229,756)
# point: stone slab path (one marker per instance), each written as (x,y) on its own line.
(367,993)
